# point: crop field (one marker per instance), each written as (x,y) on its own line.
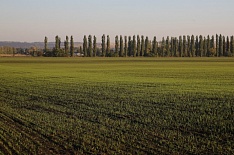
(116,105)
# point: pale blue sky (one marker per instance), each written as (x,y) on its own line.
(32,20)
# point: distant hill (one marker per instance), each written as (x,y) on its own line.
(39,45)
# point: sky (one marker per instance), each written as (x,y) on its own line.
(32,20)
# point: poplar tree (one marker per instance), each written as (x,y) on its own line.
(85,46)
(180,46)
(163,47)
(125,46)
(184,46)
(224,47)
(134,48)
(201,45)
(129,46)
(45,45)
(208,43)
(212,46)
(90,49)
(228,46)
(108,46)
(172,47)
(197,47)
(167,52)
(103,45)
(66,46)
(204,46)
(232,46)
(192,46)
(138,45)
(57,43)
(146,46)
(220,45)
(154,49)
(117,45)
(189,46)
(71,47)
(94,46)
(142,46)
(217,45)
(121,46)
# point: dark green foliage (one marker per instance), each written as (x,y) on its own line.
(138,45)
(188,46)
(108,53)
(204,47)
(129,46)
(142,46)
(184,46)
(45,45)
(180,46)
(90,48)
(72,47)
(66,46)
(125,46)
(85,46)
(94,46)
(103,45)
(197,47)
(172,47)
(208,46)
(220,45)
(175,47)
(146,46)
(232,46)
(228,47)
(167,52)
(224,47)
(134,48)
(163,47)
(121,51)
(201,46)
(154,46)
(217,45)
(117,45)
(192,46)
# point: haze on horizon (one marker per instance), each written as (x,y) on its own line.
(32,20)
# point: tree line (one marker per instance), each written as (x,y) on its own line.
(140,46)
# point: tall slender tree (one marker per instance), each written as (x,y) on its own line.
(142,46)
(108,46)
(201,45)
(138,45)
(146,46)
(172,47)
(71,47)
(217,45)
(232,46)
(184,46)
(163,47)
(103,45)
(129,46)
(167,52)
(197,47)
(121,51)
(192,46)
(66,46)
(90,48)
(94,46)
(208,44)
(57,46)
(85,46)
(125,46)
(227,47)
(220,45)
(180,46)
(205,46)
(117,45)
(134,48)
(154,49)
(224,47)
(189,46)
(45,45)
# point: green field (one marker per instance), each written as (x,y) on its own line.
(117,106)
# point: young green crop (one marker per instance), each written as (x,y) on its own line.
(116,105)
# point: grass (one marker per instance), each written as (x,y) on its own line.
(116,105)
